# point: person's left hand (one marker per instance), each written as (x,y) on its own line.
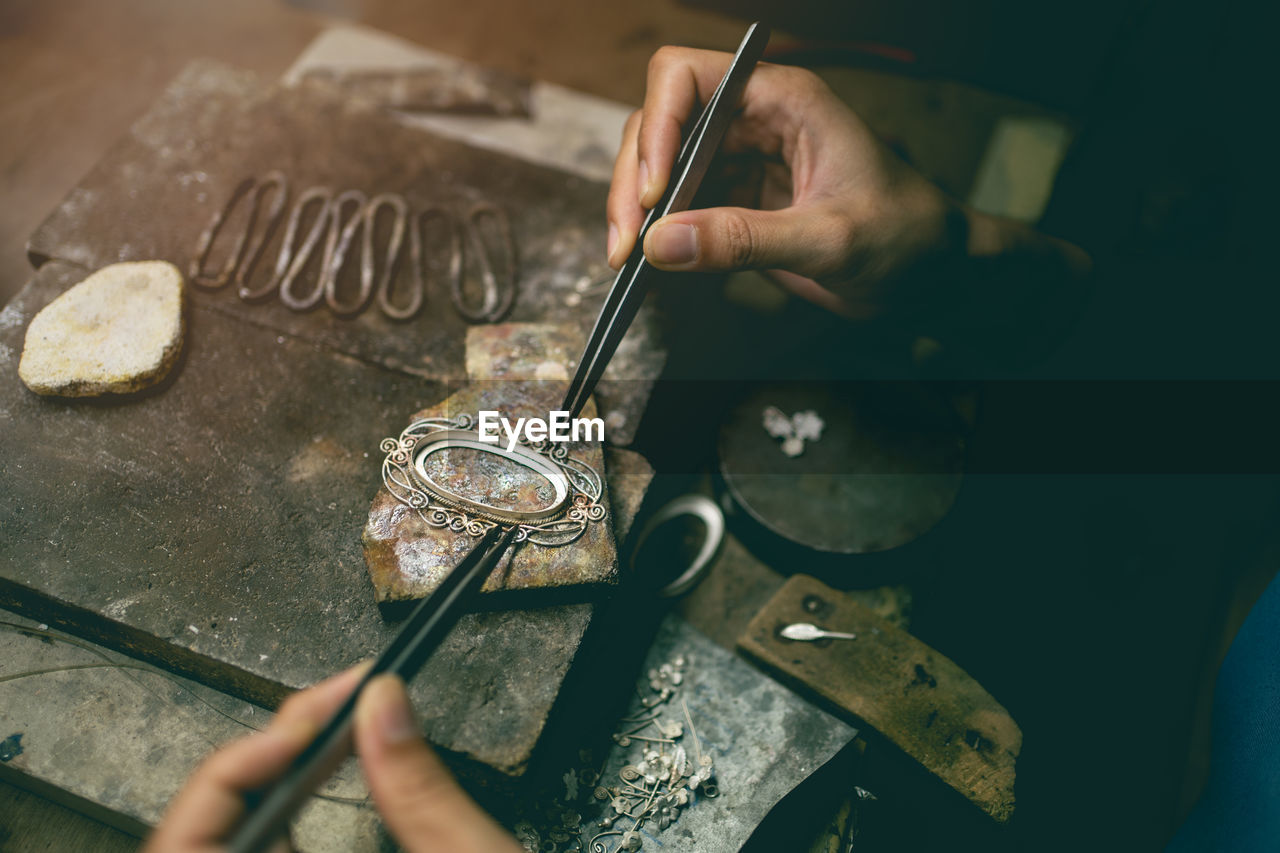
(418,798)
(205,811)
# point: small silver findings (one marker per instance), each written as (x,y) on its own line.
(585,288)
(794,430)
(667,773)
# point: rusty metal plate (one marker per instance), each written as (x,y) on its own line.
(212,527)
(907,691)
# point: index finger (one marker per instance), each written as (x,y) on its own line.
(679,77)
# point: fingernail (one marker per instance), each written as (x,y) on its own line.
(385,704)
(642,181)
(613,242)
(674,245)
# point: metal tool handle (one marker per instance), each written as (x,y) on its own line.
(691,166)
(421,634)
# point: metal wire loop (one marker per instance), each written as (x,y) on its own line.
(292,263)
(392,266)
(256,248)
(246,188)
(338,246)
(497,299)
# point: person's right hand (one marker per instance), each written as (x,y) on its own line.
(842,220)
(836,217)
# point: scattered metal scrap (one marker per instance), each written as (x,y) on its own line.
(339,218)
(736,752)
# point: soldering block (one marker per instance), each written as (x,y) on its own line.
(117,332)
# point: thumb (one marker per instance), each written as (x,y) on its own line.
(418,798)
(727,239)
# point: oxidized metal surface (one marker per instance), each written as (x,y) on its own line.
(407,558)
(490,479)
(549,351)
(156,191)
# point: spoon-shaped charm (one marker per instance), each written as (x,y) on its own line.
(805,631)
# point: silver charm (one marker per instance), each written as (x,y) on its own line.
(794,430)
(577,487)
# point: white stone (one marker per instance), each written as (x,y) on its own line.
(118,331)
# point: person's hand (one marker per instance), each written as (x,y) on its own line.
(830,212)
(420,802)
(842,218)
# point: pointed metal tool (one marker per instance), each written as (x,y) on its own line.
(636,276)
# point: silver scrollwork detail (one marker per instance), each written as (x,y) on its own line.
(582,480)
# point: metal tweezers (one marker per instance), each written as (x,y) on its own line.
(636,276)
(271,809)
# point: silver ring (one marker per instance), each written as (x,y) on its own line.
(709,513)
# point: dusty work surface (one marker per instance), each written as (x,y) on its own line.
(118,738)
(213,526)
(157,190)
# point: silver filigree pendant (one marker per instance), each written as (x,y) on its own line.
(551,509)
